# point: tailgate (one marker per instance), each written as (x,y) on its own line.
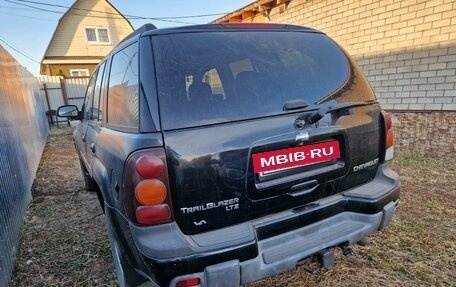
(212,176)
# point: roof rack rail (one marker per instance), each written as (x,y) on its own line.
(140,30)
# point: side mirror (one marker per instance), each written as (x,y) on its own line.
(68,111)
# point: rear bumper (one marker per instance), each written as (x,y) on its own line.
(267,246)
(282,252)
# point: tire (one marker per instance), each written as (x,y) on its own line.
(89,183)
(116,255)
(126,275)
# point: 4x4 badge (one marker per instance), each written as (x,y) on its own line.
(302,136)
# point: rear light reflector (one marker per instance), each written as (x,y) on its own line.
(150,191)
(153,214)
(191,282)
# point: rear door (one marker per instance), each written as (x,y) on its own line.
(81,130)
(224,101)
(95,115)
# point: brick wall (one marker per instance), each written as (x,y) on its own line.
(431,133)
(407,48)
(414,80)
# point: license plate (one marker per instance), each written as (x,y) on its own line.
(278,160)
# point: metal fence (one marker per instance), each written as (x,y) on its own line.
(57,91)
(23,133)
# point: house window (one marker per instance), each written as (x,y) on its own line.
(79,72)
(98,35)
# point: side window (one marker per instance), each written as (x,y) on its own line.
(123,98)
(89,96)
(95,111)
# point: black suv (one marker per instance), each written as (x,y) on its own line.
(223,154)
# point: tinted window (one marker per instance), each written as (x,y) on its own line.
(95,112)
(89,95)
(123,88)
(254,73)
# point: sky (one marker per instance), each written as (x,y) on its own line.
(27,30)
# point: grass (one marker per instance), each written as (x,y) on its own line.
(64,242)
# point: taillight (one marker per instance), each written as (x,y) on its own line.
(153,214)
(147,198)
(149,166)
(190,282)
(388,135)
(150,192)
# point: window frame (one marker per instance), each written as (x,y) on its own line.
(88,100)
(98,89)
(97,36)
(80,70)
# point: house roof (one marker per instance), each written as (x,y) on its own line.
(250,10)
(66,14)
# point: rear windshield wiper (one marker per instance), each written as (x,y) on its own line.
(317,115)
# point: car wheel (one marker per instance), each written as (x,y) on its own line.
(89,183)
(126,276)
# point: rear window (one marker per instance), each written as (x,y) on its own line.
(216,77)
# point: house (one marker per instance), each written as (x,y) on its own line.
(407,49)
(84,35)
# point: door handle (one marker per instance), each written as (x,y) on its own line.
(84,138)
(92,147)
(303,188)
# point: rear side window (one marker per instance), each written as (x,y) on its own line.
(96,110)
(89,96)
(212,77)
(123,93)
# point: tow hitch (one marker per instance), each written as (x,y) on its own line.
(325,259)
(346,250)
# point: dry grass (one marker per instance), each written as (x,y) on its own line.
(64,241)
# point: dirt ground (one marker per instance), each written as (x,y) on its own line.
(64,241)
